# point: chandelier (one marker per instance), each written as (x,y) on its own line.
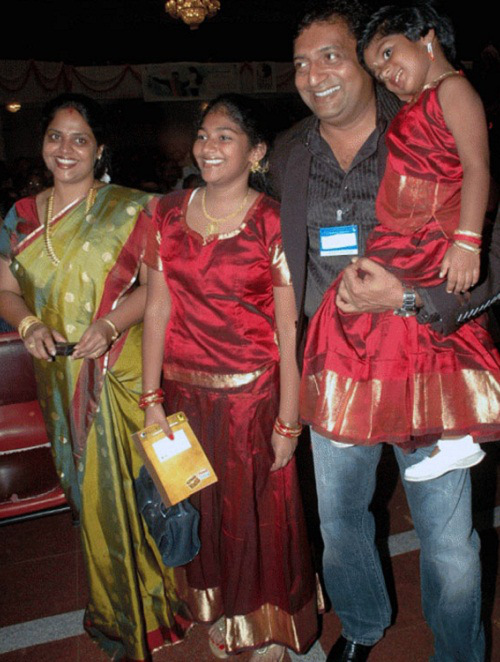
(192,12)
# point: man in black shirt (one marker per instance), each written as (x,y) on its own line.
(327,169)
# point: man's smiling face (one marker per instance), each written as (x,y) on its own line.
(328,75)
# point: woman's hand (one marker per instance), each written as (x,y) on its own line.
(39,341)
(156,414)
(283,448)
(95,341)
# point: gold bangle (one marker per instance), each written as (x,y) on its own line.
(152,404)
(467,247)
(116,333)
(290,427)
(469,233)
(26,323)
(285,430)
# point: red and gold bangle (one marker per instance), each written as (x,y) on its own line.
(463,236)
(152,403)
(151,397)
(285,430)
(468,233)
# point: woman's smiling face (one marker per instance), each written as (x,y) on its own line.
(70,149)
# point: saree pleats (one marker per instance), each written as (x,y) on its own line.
(91,408)
(133,593)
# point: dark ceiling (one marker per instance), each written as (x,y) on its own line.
(139,31)
(82,32)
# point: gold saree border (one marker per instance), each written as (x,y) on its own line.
(371,411)
(209,380)
(267,624)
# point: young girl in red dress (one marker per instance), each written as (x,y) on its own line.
(383,377)
(220,328)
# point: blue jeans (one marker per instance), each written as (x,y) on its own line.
(449,557)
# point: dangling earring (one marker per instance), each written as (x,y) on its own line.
(256,167)
(105,177)
(430,52)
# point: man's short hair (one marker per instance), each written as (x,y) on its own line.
(353,12)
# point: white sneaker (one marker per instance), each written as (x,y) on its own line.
(453,454)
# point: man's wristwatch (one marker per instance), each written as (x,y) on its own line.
(409,305)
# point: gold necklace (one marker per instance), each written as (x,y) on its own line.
(49,218)
(433,83)
(213,225)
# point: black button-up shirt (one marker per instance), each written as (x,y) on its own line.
(342,197)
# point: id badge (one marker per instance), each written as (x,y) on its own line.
(338,240)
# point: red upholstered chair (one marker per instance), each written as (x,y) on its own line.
(28,481)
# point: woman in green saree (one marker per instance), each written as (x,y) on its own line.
(72,273)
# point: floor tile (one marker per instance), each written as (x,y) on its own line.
(88,650)
(407,644)
(38,538)
(34,589)
(65,650)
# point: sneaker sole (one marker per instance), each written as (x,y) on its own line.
(463,463)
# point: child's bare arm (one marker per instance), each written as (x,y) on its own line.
(464,115)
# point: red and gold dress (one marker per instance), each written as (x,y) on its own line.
(221,368)
(379,377)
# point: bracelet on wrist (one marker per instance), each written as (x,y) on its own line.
(111,324)
(151,397)
(144,404)
(475,241)
(467,247)
(285,430)
(26,323)
(468,233)
(153,403)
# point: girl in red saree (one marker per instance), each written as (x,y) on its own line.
(384,377)
(220,320)
(72,271)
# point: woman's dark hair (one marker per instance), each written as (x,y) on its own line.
(353,12)
(250,115)
(413,22)
(91,112)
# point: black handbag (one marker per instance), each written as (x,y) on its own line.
(174,528)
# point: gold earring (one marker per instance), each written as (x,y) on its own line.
(430,52)
(256,167)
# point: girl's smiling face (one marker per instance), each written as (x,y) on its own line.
(222,149)
(402,65)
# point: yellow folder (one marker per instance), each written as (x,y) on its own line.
(178,467)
